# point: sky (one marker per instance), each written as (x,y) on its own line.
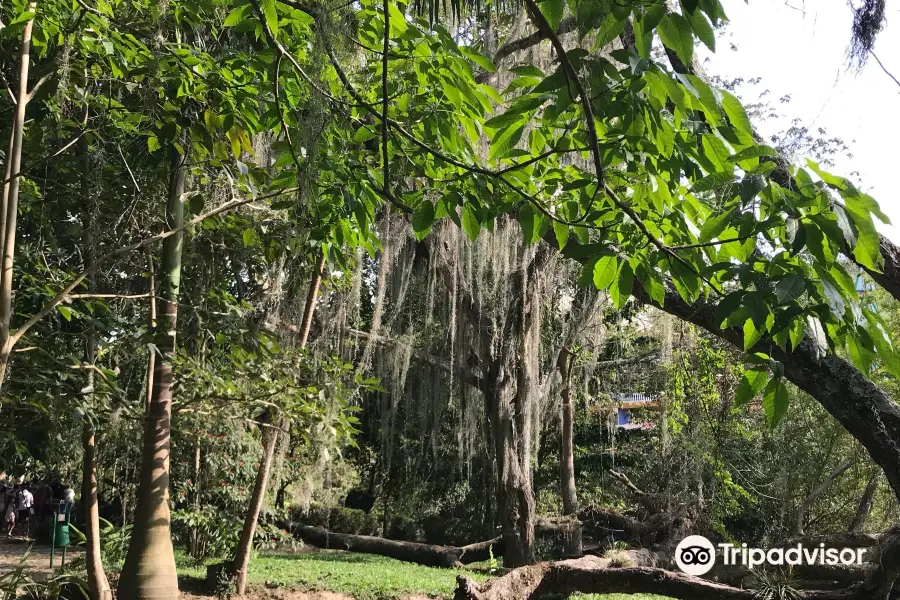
(800,48)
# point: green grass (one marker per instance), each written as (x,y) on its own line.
(364,576)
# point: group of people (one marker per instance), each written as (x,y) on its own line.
(23,500)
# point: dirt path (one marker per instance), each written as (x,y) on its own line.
(38,561)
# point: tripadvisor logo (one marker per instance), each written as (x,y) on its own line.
(696,555)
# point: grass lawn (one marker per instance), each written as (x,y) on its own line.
(364,576)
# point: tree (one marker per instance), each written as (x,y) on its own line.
(149,569)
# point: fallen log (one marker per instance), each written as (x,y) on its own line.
(593,575)
(430,555)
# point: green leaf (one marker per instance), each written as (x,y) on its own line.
(687,282)
(250,237)
(817,336)
(835,299)
(711,182)
(752,334)
(479,59)
(834,181)
(757,309)
(715,151)
(470,223)
(534,223)
(152,143)
(423,218)
(789,289)
(504,120)
(707,96)
(643,36)
(675,32)
(728,306)
(776,400)
(868,243)
(714,225)
(553,11)
(702,28)
(237,16)
(620,290)
(845,224)
(606,270)
(751,185)
(752,152)
(752,383)
(736,114)
(66,312)
(797,332)
(861,356)
(562,234)
(271,14)
(363,134)
(653,286)
(504,141)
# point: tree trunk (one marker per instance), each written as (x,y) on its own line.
(10,198)
(149,570)
(245,545)
(865,503)
(310,306)
(515,498)
(567,451)
(98,584)
(821,489)
(151,352)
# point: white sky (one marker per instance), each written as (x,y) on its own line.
(800,48)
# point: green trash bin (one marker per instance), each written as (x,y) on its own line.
(61,538)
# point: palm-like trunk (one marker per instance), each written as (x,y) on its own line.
(10,200)
(149,570)
(270,436)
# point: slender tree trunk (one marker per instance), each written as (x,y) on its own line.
(567,451)
(245,547)
(865,503)
(270,436)
(98,584)
(151,353)
(310,307)
(11,198)
(821,489)
(149,570)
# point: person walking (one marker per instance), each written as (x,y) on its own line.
(10,519)
(25,504)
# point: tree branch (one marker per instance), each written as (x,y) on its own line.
(109,257)
(567,25)
(819,490)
